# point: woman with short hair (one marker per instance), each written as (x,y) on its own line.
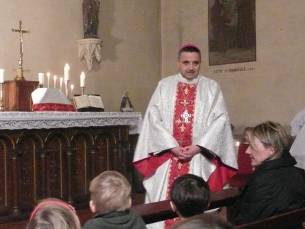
(276,185)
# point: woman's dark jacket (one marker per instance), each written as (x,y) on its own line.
(274,187)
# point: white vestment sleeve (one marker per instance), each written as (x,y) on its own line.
(297,148)
(154,136)
(217,135)
(297,123)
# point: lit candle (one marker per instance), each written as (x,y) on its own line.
(72,88)
(66,72)
(48,78)
(237,143)
(1,75)
(41,78)
(60,83)
(55,79)
(82,79)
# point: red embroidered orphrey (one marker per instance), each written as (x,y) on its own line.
(182,132)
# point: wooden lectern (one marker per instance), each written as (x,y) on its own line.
(17,95)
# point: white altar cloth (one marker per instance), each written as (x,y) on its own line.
(47,120)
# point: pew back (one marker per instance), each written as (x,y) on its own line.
(291,219)
(159,211)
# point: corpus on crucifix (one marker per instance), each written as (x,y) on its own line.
(21,31)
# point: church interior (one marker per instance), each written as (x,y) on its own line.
(137,43)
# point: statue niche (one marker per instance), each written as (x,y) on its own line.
(91,10)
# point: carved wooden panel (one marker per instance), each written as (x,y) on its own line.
(35,164)
(27,170)
(6,146)
(55,162)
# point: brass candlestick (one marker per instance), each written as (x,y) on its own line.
(19,73)
(1,97)
(67,88)
(83,90)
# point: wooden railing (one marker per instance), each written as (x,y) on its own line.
(162,210)
(154,212)
(291,219)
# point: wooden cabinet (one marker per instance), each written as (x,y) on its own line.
(17,95)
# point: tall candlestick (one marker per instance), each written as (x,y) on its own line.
(55,79)
(67,88)
(1,75)
(1,89)
(48,78)
(41,79)
(1,97)
(66,72)
(82,79)
(60,83)
(72,88)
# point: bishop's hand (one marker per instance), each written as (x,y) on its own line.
(180,153)
(185,153)
(190,151)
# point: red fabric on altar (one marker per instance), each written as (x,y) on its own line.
(52,107)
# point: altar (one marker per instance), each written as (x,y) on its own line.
(56,154)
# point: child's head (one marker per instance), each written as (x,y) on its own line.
(110,191)
(53,213)
(190,195)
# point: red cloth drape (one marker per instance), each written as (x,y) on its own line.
(52,107)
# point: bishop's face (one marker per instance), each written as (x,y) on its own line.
(189,64)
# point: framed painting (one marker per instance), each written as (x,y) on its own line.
(232,31)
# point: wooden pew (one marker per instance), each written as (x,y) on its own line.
(159,211)
(289,219)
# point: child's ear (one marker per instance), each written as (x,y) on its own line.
(92,206)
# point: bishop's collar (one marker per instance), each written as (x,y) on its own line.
(184,80)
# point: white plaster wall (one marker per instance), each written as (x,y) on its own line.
(130,30)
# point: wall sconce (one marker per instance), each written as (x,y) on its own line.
(90,50)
